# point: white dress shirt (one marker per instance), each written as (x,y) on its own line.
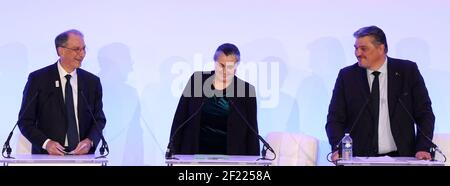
(386,141)
(62,84)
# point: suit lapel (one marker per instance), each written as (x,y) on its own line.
(81,101)
(394,85)
(364,82)
(58,88)
(365,91)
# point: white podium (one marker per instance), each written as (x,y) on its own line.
(217,160)
(51,160)
(388,161)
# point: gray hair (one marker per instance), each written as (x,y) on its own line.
(62,38)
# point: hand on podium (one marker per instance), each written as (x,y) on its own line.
(335,156)
(423,155)
(82,148)
(54,148)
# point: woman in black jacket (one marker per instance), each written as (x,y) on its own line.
(216,111)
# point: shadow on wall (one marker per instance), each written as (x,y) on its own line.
(418,50)
(314,93)
(326,58)
(283,116)
(277,110)
(121,106)
(159,102)
(13,76)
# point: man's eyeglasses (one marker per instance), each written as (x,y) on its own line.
(77,50)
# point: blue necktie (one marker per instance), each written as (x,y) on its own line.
(72,131)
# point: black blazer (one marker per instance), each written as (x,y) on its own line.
(45,117)
(240,139)
(351,92)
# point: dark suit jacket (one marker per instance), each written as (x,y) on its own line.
(45,116)
(240,139)
(351,92)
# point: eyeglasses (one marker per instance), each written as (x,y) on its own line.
(77,50)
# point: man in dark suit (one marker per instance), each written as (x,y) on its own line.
(210,105)
(386,91)
(57,101)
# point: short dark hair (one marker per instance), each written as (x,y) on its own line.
(375,32)
(62,38)
(228,49)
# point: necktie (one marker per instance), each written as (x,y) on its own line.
(72,131)
(375,98)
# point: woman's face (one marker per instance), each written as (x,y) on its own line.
(225,67)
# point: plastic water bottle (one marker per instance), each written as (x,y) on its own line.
(347,147)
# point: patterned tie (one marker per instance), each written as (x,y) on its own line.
(375,98)
(72,131)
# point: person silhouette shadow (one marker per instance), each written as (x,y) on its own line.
(314,92)
(159,102)
(13,75)
(418,50)
(121,106)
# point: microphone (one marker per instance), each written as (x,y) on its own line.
(104,147)
(266,145)
(169,151)
(434,147)
(6,146)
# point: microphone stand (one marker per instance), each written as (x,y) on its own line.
(6,146)
(104,147)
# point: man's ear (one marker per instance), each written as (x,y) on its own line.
(59,51)
(382,47)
